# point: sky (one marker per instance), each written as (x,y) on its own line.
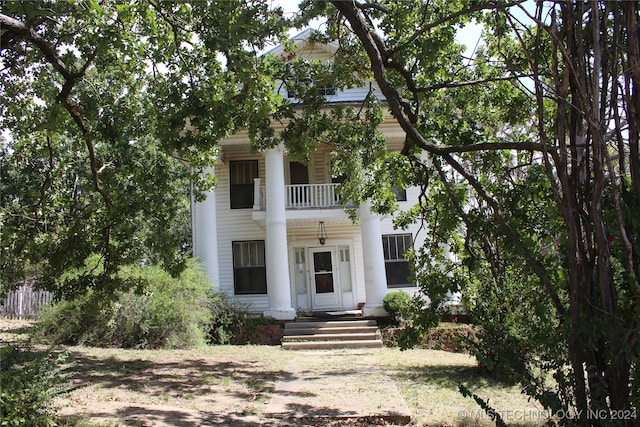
(468,35)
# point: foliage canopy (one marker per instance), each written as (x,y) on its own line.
(527,153)
(531,178)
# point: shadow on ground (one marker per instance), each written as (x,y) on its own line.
(185,377)
(445,376)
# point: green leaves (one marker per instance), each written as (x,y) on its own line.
(114,109)
(529,182)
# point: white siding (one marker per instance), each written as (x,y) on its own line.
(236,225)
(356,94)
(321,160)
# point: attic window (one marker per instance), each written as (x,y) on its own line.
(327,90)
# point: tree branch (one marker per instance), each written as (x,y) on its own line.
(371,42)
(452,84)
(491,4)
(20,29)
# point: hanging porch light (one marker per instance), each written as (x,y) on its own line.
(322,233)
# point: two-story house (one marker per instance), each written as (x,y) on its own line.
(274,237)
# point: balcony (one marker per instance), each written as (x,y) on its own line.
(300,196)
(305,204)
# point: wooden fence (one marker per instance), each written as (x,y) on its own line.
(25,302)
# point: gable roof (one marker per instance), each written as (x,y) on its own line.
(304,45)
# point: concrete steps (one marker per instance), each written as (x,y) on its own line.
(331,334)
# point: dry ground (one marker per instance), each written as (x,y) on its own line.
(232,385)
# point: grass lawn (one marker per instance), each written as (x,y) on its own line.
(240,379)
(428,381)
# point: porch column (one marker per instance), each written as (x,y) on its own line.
(375,276)
(278,283)
(204,233)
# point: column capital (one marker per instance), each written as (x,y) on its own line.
(276,149)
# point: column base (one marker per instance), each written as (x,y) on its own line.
(281,313)
(374,310)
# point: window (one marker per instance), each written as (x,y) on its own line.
(401,193)
(338,179)
(241,183)
(249,270)
(396,265)
(292,90)
(326,90)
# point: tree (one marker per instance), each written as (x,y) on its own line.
(531,181)
(113,109)
(527,153)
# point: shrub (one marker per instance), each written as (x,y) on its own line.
(453,337)
(29,382)
(397,305)
(159,312)
(227,319)
(233,324)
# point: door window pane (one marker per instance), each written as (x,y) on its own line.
(324,283)
(322,261)
(323,272)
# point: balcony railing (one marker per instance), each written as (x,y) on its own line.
(300,196)
(311,196)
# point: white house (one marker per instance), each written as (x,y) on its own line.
(273,236)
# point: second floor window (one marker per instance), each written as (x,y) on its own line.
(241,178)
(327,90)
(401,193)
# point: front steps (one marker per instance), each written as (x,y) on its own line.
(331,334)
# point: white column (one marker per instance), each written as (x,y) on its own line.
(205,234)
(278,282)
(375,276)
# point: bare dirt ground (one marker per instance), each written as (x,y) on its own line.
(209,387)
(233,386)
(221,385)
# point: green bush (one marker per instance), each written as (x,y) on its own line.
(28,383)
(233,324)
(453,337)
(227,319)
(158,312)
(397,305)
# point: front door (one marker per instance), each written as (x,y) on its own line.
(325,284)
